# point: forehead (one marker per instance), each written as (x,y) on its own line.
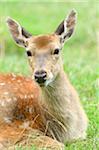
(44,41)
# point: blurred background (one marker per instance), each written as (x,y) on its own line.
(81,52)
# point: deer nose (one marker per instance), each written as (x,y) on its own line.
(40,76)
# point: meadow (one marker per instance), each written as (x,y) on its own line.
(80,53)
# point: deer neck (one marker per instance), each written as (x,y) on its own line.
(56,96)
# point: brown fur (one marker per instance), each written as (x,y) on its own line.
(43,41)
(20,111)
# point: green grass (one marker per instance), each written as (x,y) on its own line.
(81,53)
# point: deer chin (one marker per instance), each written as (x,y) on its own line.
(46,83)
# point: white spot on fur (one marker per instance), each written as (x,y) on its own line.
(1,146)
(14,76)
(14,98)
(25,96)
(2,83)
(25,124)
(19,81)
(6,93)
(2,103)
(7,119)
(30,110)
(8,100)
(32,96)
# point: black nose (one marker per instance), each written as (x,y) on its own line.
(40,76)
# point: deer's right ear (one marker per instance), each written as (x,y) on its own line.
(66,28)
(18,33)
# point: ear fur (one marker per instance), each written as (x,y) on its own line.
(66,28)
(18,33)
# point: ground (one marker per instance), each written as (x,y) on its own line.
(81,52)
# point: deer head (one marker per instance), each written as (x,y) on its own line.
(44,51)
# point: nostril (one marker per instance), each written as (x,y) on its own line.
(40,76)
(43,74)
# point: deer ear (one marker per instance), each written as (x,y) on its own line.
(66,28)
(18,33)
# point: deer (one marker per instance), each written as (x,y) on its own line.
(45,102)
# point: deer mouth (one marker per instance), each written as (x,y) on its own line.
(45,84)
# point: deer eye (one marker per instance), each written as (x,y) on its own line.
(56,51)
(29,53)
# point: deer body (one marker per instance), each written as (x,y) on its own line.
(49,104)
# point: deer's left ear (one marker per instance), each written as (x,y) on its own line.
(19,34)
(66,28)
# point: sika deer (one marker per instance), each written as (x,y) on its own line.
(48,102)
